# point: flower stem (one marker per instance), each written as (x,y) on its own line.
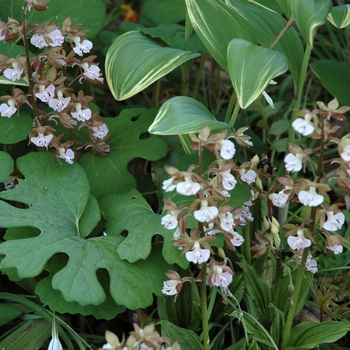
(293,306)
(301,81)
(204,307)
(234,115)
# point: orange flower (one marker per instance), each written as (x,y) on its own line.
(130,15)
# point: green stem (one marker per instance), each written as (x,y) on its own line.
(293,306)
(234,115)
(246,244)
(199,75)
(299,92)
(204,307)
(230,108)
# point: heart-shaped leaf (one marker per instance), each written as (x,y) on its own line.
(251,68)
(134,61)
(183,115)
(309,15)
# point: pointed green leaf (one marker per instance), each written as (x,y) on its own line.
(183,115)
(308,335)
(335,77)
(132,214)
(266,25)
(165,11)
(217,23)
(134,61)
(309,15)
(340,16)
(251,68)
(185,337)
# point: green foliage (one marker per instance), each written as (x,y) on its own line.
(135,61)
(129,139)
(6,166)
(15,129)
(264,65)
(183,115)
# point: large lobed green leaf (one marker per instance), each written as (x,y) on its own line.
(134,61)
(217,23)
(183,115)
(131,214)
(251,68)
(16,128)
(54,198)
(309,15)
(129,139)
(7,166)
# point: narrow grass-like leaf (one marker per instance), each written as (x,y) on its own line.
(183,115)
(340,16)
(309,15)
(251,68)
(134,61)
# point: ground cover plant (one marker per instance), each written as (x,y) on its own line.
(174,174)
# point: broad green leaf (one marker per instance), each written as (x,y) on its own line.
(56,197)
(309,15)
(217,23)
(277,325)
(334,76)
(266,25)
(185,337)
(251,68)
(183,115)
(285,6)
(16,128)
(308,335)
(132,214)
(165,11)
(129,139)
(7,166)
(278,127)
(135,60)
(89,13)
(8,313)
(340,16)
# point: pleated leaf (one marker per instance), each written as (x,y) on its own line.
(251,68)
(309,15)
(134,61)
(340,16)
(183,115)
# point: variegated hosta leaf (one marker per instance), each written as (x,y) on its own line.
(251,68)
(183,115)
(309,15)
(134,61)
(340,16)
(218,22)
